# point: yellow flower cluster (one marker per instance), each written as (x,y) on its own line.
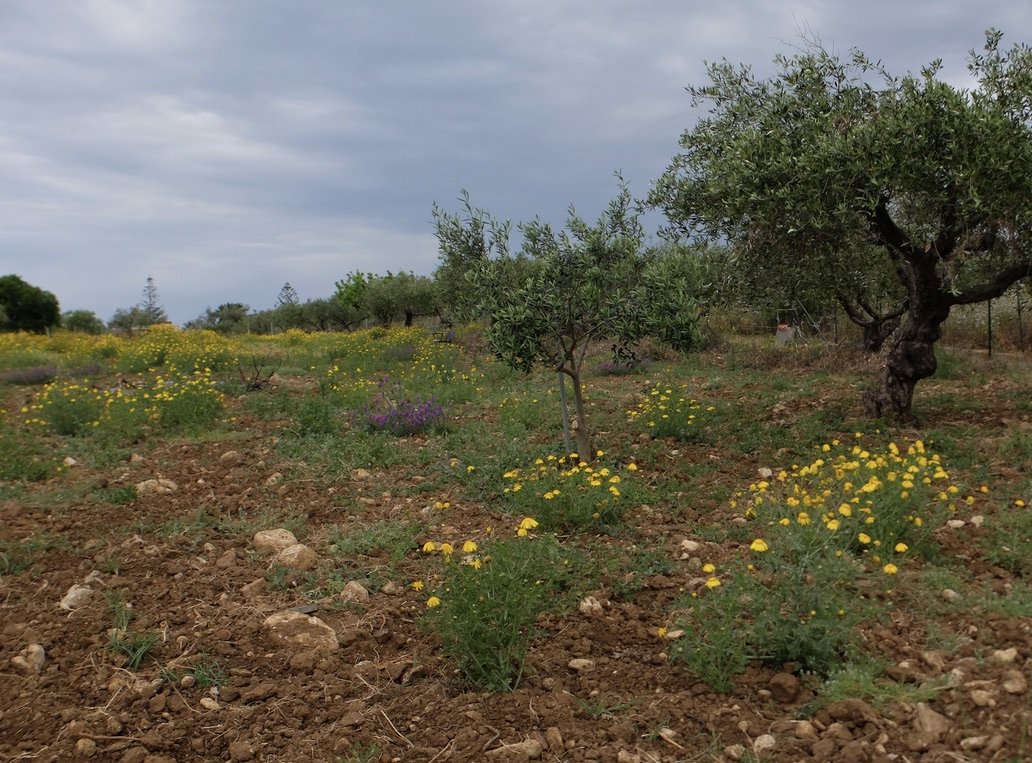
(872,500)
(71,407)
(166,345)
(666,411)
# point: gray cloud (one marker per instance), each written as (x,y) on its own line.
(225,148)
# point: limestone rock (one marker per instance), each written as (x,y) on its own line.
(30,660)
(590,606)
(763,744)
(529,749)
(300,630)
(1014,682)
(297,557)
(160,486)
(273,541)
(354,592)
(983,698)
(76,596)
(581,665)
(1005,656)
(231,458)
(929,728)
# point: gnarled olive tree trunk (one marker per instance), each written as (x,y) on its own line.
(911,357)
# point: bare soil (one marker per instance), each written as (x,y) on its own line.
(387,693)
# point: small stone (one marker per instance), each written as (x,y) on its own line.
(955,524)
(136,458)
(231,457)
(361,474)
(627,757)
(784,687)
(226,559)
(765,473)
(763,744)
(581,665)
(929,728)
(273,541)
(254,588)
(529,749)
(160,486)
(355,592)
(735,751)
(978,520)
(934,660)
(806,731)
(948,594)
(973,744)
(134,755)
(69,461)
(76,596)
(240,749)
(1005,656)
(1014,682)
(390,588)
(274,479)
(351,720)
(301,630)
(690,546)
(86,747)
(30,660)
(209,703)
(554,738)
(296,557)
(187,682)
(589,605)
(983,698)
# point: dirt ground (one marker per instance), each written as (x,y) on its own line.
(386,693)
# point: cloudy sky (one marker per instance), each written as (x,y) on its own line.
(226,147)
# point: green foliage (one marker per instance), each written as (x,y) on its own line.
(24,307)
(134,646)
(23,456)
(393,537)
(587,283)
(315,416)
(82,321)
(566,494)
(488,604)
(667,411)
(842,180)
(227,318)
(470,242)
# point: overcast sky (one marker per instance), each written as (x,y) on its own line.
(227,147)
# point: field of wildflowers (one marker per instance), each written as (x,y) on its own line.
(729,531)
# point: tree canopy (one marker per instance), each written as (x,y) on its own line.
(839,172)
(570,288)
(24,307)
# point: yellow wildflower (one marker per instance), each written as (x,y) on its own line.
(432,602)
(759,546)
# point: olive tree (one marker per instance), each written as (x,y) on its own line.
(840,168)
(585,283)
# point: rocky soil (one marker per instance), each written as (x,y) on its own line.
(352,675)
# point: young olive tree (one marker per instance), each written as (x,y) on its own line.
(586,283)
(844,170)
